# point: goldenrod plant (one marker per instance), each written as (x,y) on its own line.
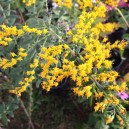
(66,41)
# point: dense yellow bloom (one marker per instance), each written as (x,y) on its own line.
(65,3)
(27,29)
(113,3)
(3,43)
(84,59)
(20,32)
(45,31)
(29,2)
(7,33)
(98,95)
(6,63)
(27,81)
(87,90)
(109,76)
(84,3)
(13,54)
(97,106)
(49,55)
(78,92)
(100,106)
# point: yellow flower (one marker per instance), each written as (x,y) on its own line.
(69,32)
(45,31)
(38,32)
(21,49)
(65,3)
(19,32)
(87,90)
(7,39)
(13,54)
(98,95)
(3,43)
(22,54)
(113,3)
(29,2)
(107,64)
(19,58)
(109,119)
(13,61)
(97,106)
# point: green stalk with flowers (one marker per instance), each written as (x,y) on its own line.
(50,54)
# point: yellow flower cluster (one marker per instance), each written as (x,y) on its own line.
(27,81)
(118,88)
(86,91)
(6,63)
(99,94)
(7,33)
(29,2)
(87,33)
(95,55)
(107,27)
(52,74)
(113,3)
(119,45)
(34,30)
(65,3)
(110,76)
(89,69)
(85,3)
(100,106)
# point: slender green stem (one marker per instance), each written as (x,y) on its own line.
(56,34)
(122,17)
(21,16)
(46,5)
(9,9)
(1,8)
(30,108)
(37,42)
(27,114)
(41,9)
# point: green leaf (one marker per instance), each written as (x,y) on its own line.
(38,82)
